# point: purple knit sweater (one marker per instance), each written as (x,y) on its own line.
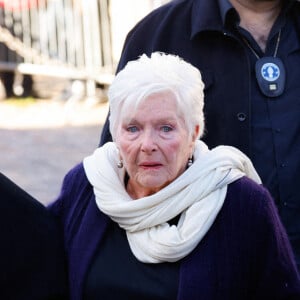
(244,255)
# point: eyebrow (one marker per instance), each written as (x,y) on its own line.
(160,120)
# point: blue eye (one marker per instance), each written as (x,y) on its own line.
(132,129)
(166,128)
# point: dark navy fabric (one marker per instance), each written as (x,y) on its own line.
(115,273)
(245,254)
(32,263)
(205,33)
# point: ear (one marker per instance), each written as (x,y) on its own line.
(196,132)
(194,138)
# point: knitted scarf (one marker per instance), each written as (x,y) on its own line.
(197,196)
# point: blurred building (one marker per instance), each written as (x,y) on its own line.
(67,40)
(124,17)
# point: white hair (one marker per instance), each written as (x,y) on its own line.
(158,73)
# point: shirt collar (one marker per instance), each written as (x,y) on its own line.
(225,6)
(205,17)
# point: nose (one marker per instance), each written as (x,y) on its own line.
(148,142)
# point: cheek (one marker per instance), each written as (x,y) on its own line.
(122,144)
(127,151)
(178,152)
(184,149)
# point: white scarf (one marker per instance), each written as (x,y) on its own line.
(197,196)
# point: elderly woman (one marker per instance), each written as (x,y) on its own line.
(157,215)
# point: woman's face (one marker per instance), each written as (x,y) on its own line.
(154,144)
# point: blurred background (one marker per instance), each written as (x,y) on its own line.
(57,59)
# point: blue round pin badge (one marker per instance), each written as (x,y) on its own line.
(270,71)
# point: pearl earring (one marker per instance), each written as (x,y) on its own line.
(120,164)
(190,162)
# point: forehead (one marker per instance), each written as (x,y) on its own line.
(162,104)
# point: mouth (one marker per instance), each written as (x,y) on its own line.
(150,165)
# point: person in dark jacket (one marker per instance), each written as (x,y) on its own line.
(236,44)
(157,215)
(32,263)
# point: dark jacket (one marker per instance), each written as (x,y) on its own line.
(195,30)
(32,264)
(245,254)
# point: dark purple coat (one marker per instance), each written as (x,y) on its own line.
(245,254)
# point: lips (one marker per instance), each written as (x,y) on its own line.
(150,165)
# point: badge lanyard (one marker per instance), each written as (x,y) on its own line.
(270,71)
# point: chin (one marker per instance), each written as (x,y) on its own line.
(155,185)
